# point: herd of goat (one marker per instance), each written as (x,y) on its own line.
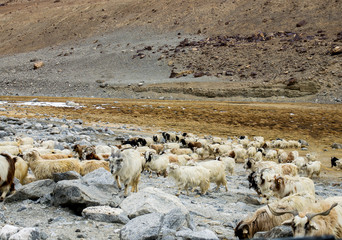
(274,172)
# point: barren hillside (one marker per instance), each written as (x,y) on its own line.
(29,25)
(277,50)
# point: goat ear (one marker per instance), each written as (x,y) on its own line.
(287,222)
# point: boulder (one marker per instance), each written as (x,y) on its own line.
(151,200)
(276,232)
(99,177)
(33,191)
(142,227)
(156,225)
(94,189)
(105,214)
(8,230)
(205,234)
(27,234)
(70,175)
(175,220)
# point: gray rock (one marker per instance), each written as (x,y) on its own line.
(303,142)
(26,234)
(175,220)
(77,128)
(10,130)
(276,232)
(33,191)
(2,218)
(70,175)
(55,130)
(4,134)
(8,230)
(27,125)
(69,139)
(150,200)
(336,145)
(142,227)
(205,234)
(156,225)
(99,177)
(79,194)
(38,126)
(105,214)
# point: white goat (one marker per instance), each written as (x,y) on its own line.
(312,168)
(217,172)
(11,149)
(189,176)
(300,163)
(287,185)
(229,164)
(157,163)
(126,166)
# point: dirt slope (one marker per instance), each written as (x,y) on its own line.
(28,25)
(278,50)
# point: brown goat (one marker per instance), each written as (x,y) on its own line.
(7,174)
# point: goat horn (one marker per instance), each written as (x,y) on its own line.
(275,213)
(325,213)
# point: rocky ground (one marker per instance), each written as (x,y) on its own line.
(215,213)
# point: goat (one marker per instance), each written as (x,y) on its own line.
(312,168)
(43,169)
(229,164)
(157,147)
(271,155)
(25,141)
(300,163)
(335,162)
(88,166)
(286,185)
(325,218)
(21,169)
(251,151)
(291,157)
(157,163)
(266,176)
(169,137)
(181,151)
(7,172)
(251,164)
(239,153)
(126,166)
(217,172)
(263,219)
(157,138)
(191,145)
(53,156)
(14,150)
(189,176)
